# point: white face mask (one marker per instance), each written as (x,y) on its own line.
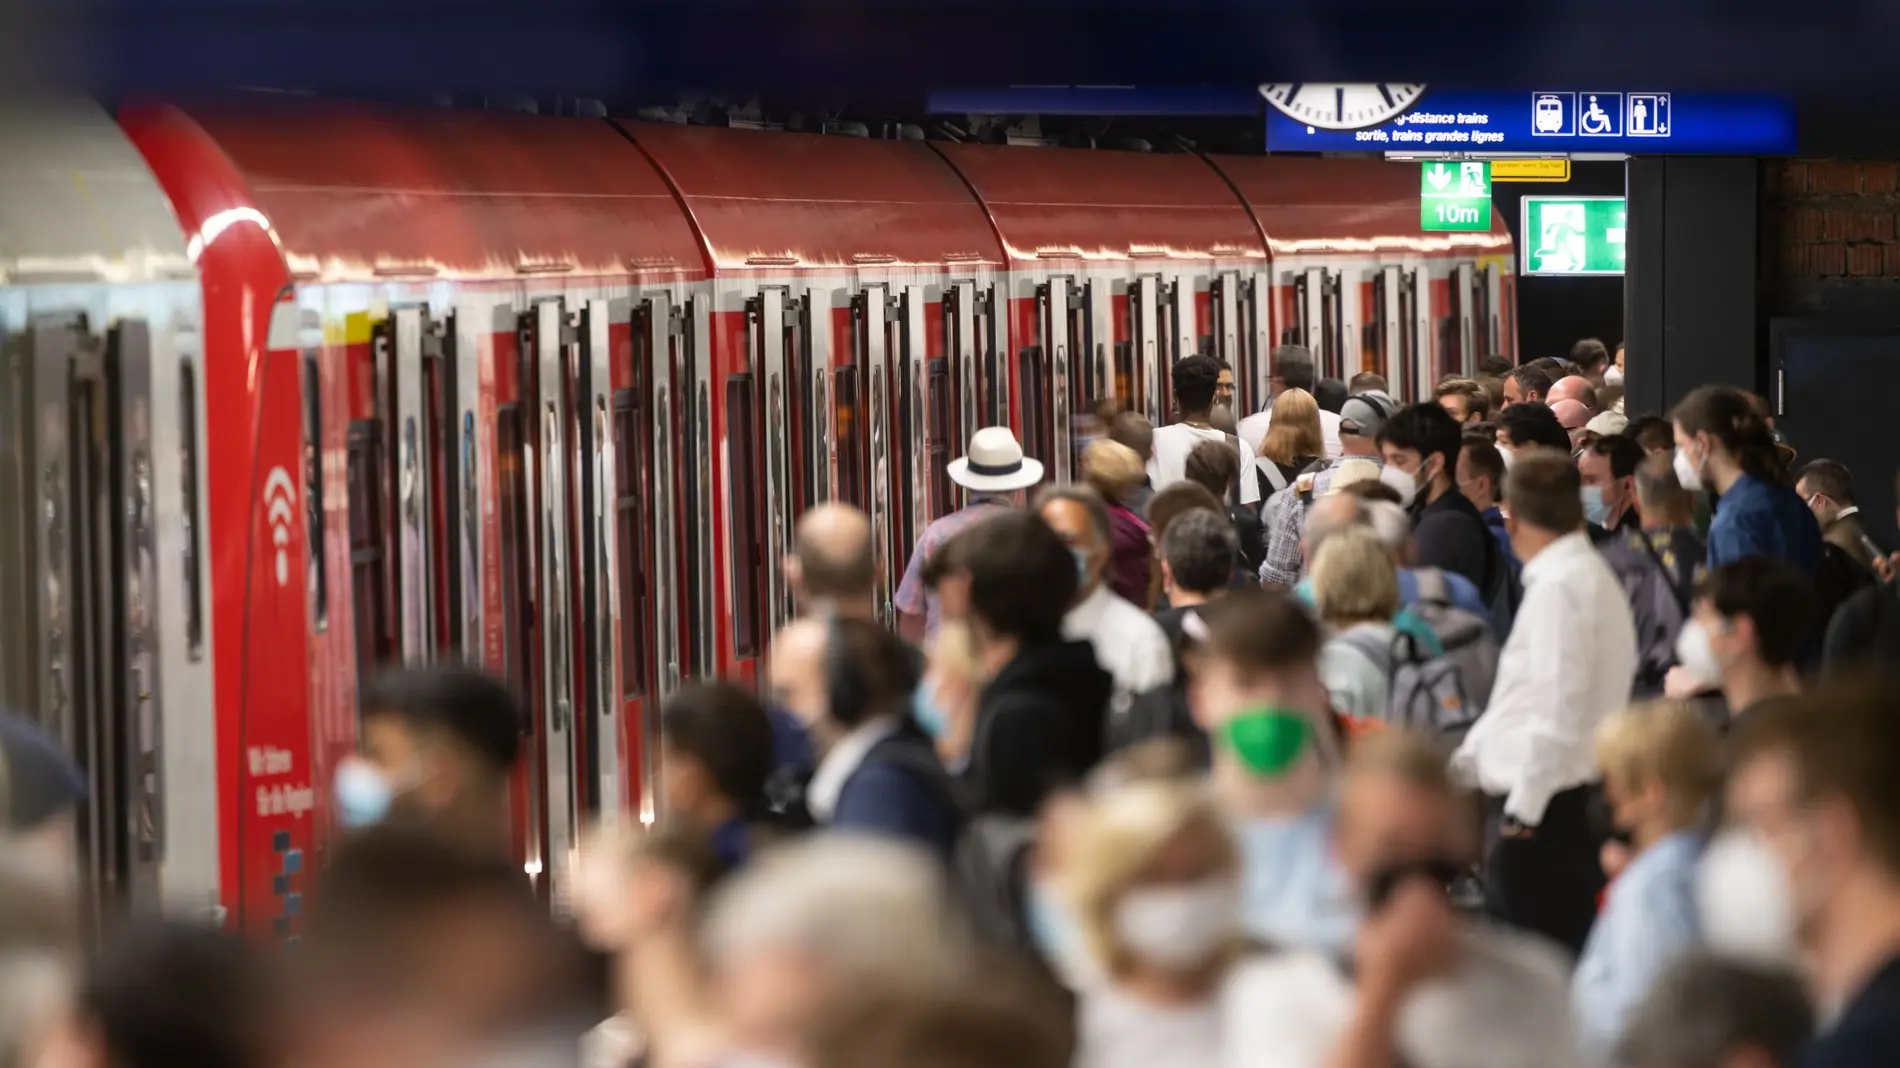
(1178,927)
(1746,900)
(1686,472)
(1696,655)
(1402,481)
(1613,376)
(1508,455)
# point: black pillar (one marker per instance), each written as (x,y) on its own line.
(1690,278)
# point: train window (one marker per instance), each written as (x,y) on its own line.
(1125,373)
(743,438)
(369,581)
(850,447)
(313,491)
(188,473)
(942,418)
(1032,387)
(516,597)
(629,473)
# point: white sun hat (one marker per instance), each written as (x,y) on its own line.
(995,463)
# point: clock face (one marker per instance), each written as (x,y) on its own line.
(1332,106)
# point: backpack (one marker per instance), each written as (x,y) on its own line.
(1503,601)
(1268,479)
(1465,637)
(1426,696)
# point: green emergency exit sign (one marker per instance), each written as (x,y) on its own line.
(1455,195)
(1573,235)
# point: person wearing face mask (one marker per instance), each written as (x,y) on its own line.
(1570,660)
(716,754)
(1152,882)
(852,684)
(1660,566)
(1481,480)
(1750,620)
(439,744)
(1613,375)
(1828,487)
(1258,693)
(1592,359)
(1608,469)
(1723,445)
(944,704)
(1661,767)
(1807,866)
(1041,716)
(1421,985)
(1128,644)
(1421,443)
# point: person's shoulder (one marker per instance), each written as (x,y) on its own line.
(1519,957)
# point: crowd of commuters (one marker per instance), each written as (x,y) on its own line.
(1497,730)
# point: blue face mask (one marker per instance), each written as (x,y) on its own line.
(923,709)
(1304,591)
(1081,565)
(363,794)
(1054,934)
(1594,509)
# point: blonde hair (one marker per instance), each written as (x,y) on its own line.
(1111,468)
(1667,742)
(1354,578)
(1294,430)
(1125,829)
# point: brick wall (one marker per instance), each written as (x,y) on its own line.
(1829,233)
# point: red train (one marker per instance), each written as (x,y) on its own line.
(299,387)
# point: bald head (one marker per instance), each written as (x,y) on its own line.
(1572,415)
(1573,388)
(1328,516)
(832,563)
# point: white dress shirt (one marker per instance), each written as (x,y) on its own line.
(1129,644)
(1173,442)
(1506,1005)
(1570,660)
(1253,430)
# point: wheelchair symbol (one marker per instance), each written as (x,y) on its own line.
(1601,116)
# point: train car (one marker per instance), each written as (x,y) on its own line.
(389,385)
(111,636)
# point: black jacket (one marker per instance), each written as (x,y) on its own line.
(1040,724)
(1449,534)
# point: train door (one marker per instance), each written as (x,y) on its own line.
(1387,329)
(1224,299)
(865,424)
(1183,330)
(1417,305)
(451,391)
(1150,350)
(769,339)
(1489,293)
(1309,310)
(543,436)
(646,436)
(87,506)
(1258,308)
(970,374)
(1458,331)
(1053,303)
(911,401)
(595,524)
(400,372)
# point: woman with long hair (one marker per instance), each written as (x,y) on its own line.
(1114,470)
(1292,444)
(1724,445)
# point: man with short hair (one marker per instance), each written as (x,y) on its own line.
(1224,385)
(1592,358)
(1569,661)
(832,569)
(1464,400)
(1828,489)
(1292,369)
(1128,644)
(1259,695)
(1706,1011)
(1197,564)
(1525,385)
(1041,717)
(438,746)
(849,681)
(1530,426)
(1808,870)
(1607,467)
(1749,625)
(1195,379)
(994,472)
(716,754)
(1660,566)
(1496,366)
(1481,480)
(1423,442)
(1424,985)
(1285,513)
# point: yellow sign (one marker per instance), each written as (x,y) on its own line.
(1530,170)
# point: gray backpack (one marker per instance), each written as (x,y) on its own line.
(1467,638)
(1427,695)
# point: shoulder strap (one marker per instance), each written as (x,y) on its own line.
(1379,652)
(1270,471)
(1668,577)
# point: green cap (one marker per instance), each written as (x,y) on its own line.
(1268,740)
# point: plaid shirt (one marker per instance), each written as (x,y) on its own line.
(1283,517)
(912,598)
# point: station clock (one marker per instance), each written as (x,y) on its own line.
(1342,106)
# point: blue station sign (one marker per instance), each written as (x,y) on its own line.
(1620,121)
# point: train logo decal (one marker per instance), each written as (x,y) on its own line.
(280,504)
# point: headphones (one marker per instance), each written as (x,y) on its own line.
(845,689)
